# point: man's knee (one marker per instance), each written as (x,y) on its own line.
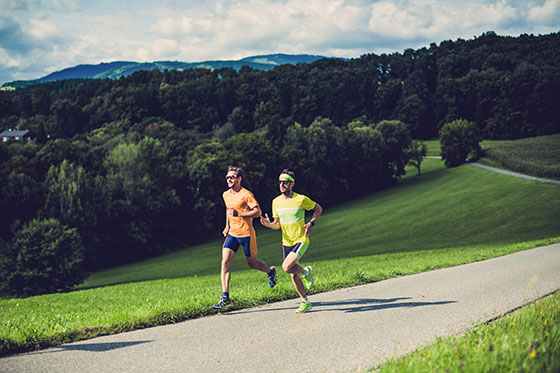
(288,267)
(226,265)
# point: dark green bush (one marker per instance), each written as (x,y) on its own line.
(458,140)
(45,257)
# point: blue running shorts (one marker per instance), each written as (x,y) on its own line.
(249,244)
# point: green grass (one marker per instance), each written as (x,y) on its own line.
(527,340)
(433,147)
(537,156)
(443,208)
(443,218)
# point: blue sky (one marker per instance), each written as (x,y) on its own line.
(39,37)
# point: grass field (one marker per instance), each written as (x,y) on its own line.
(444,218)
(527,340)
(537,156)
(444,208)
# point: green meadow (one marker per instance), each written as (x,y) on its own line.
(443,218)
(443,208)
(537,156)
(527,340)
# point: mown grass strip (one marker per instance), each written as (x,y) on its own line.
(527,340)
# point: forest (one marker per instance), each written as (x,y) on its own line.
(135,166)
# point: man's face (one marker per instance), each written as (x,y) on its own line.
(232,179)
(285,185)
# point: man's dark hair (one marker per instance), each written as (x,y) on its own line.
(287,171)
(237,170)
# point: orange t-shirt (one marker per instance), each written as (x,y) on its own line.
(241,201)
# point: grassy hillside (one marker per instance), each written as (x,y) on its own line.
(444,218)
(442,208)
(536,156)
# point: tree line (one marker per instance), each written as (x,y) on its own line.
(133,195)
(507,86)
(126,169)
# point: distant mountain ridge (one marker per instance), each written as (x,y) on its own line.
(117,69)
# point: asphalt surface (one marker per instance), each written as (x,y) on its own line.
(351,329)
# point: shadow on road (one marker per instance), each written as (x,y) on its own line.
(350,305)
(91,347)
(362,305)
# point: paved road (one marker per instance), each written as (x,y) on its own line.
(347,330)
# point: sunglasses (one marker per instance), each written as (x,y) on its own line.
(284,182)
(231,177)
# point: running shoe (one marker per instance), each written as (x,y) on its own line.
(308,279)
(272,279)
(223,303)
(304,307)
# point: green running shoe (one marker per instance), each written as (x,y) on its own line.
(304,307)
(308,279)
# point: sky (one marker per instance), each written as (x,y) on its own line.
(38,37)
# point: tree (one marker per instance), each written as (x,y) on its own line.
(412,111)
(65,193)
(417,152)
(20,192)
(141,199)
(45,257)
(364,158)
(397,139)
(69,118)
(70,197)
(458,139)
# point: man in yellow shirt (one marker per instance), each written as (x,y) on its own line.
(288,211)
(241,208)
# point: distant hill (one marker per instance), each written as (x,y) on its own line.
(115,70)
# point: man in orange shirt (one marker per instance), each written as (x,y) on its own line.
(241,208)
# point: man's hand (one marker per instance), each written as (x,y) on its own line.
(270,224)
(307,229)
(233,212)
(265,220)
(225,231)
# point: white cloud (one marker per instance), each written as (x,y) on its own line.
(547,14)
(143,55)
(54,34)
(64,5)
(389,19)
(165,48)
(8,60)
(42,29)
(167,26)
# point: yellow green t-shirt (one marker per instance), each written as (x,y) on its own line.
(291,214)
